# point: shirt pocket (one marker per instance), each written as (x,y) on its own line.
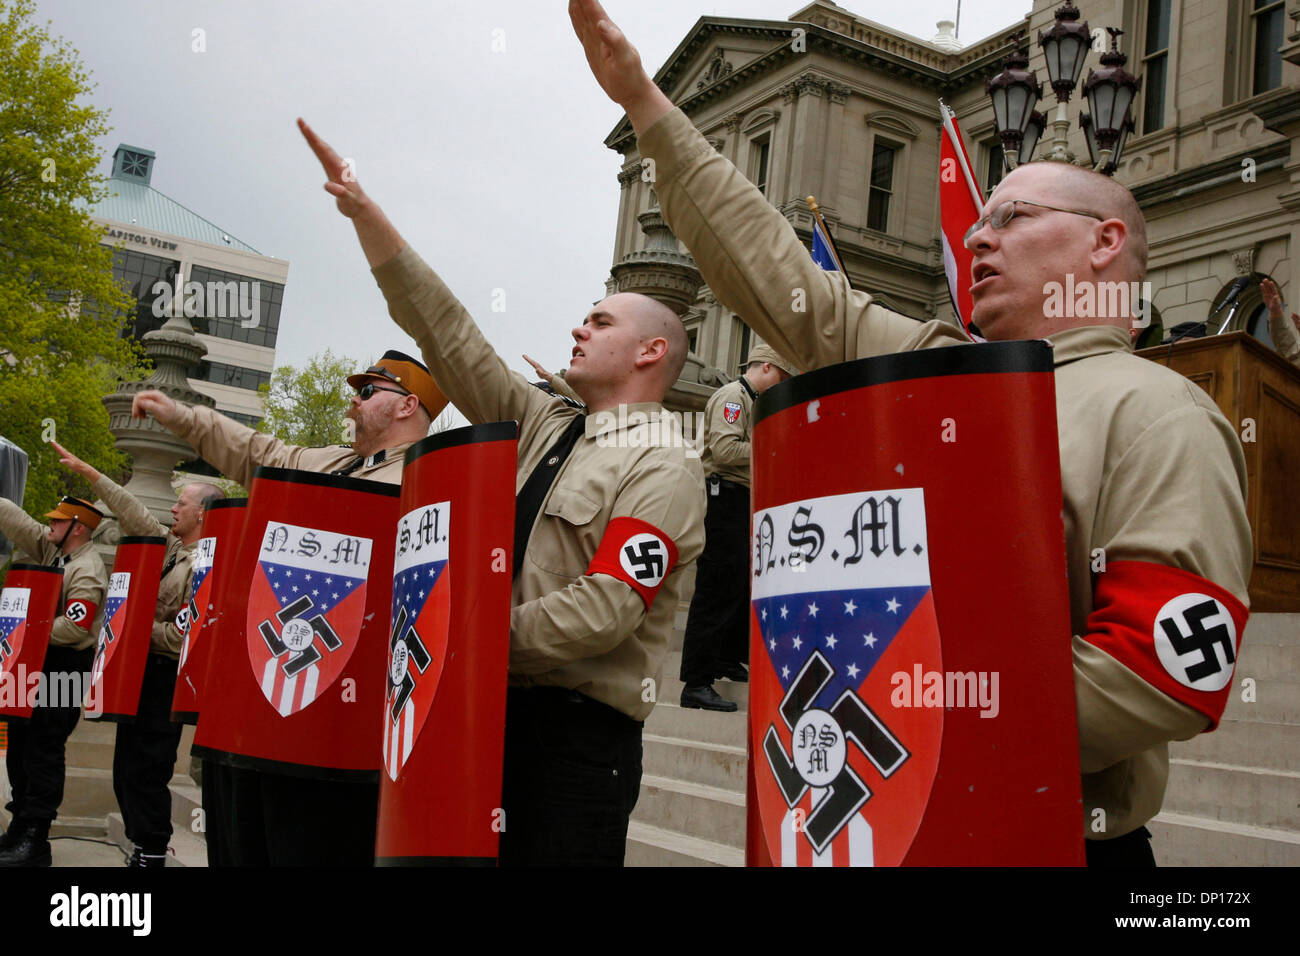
(564,539)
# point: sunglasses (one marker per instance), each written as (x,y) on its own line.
(369,389)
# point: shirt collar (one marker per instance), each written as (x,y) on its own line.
(622,418)
(1070,345)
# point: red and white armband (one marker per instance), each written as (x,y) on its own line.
(81,613)
(1174,629)
(638,554)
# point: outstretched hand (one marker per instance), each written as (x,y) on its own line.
(342,180)
(538,368)
(616,65)
(1273,300)
(70,461)
(154,403)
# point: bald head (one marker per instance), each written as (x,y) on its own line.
(1101,194)
(630,348)
(656,320)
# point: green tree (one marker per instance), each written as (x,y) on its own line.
(306,406)
(61,311)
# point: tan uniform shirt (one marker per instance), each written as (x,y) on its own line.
(84,575)
(1151,470)
(587,632)
(237,450)
(1285,338)
(174,588)
(726,443)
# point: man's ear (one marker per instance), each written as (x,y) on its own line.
(1109,244)
(652,350)
(406,409)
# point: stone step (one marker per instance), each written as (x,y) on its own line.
(184,848)
(186,799)
(67,826)
(1276,701)
(670,689)
(715,765)
(1272,661)
(669,719)
(92,743)
(88,792)
(1262,745)
(653,846)
(1247,795)
(1182,840)
(1277,629)
(706,813)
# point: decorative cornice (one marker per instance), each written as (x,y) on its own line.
(718,68)
(732,122)
(839,93)
(629,174)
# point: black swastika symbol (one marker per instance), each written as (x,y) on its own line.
(861,725)
(76,612)
(5,649)
(1200,639)
(648,560)
(417,654)
(308,655)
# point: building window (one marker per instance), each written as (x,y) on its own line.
(233,375)
(138,273)
(746,338)
(232,295)
(759,152)
(1257,325)
(1155,64)
(882,186)
(693,340)
(1267,17)
(996,168)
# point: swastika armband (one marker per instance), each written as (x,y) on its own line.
(1174,629)
(81,613)
(637,553)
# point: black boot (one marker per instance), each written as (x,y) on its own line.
(146,860)
(705,697)
(10,836)
(30,848)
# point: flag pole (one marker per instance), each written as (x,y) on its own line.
(817,214)
(960,150)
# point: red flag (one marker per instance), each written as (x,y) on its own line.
(960,205)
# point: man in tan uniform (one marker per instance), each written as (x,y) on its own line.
(259,818)
(607,521)
(36,761)
(1153,474)
(144,753)
(717,629)
(1285,332)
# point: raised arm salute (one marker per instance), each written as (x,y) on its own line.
(598,571)
(1153,474)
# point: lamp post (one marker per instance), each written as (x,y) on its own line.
(1110,91)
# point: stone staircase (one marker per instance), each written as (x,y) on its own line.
(1234,795)
(90,808)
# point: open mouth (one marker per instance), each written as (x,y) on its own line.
(982,273)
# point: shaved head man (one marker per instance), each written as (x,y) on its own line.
(608,515)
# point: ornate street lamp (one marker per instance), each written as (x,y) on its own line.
(1110,92)
(1014,92)
(1033,132)
(1094,151)
(1065,46)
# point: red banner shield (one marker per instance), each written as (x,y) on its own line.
(29,604)
(213,559)
(440,797)
(127,625)
(310,592)
(911,691)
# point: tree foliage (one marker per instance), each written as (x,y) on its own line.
(306,406)
(61,311)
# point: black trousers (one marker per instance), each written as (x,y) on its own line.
(572,776)
(1130,851)
(36,760)
(260,818)
(717,627)
(144,758)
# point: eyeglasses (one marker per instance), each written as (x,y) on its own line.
(369,389)
(1006,211)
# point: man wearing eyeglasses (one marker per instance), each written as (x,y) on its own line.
(1153,474)
(256,817)
(36,758)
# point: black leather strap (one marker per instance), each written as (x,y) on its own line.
(529,500)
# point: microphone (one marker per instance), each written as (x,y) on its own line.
(1233,293)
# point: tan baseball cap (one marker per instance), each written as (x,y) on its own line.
(765,353)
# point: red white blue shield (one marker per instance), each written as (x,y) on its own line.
(731,411)
(111,628)
(305,609)
(14,603)
(842,599)
(200,593)
(417,647)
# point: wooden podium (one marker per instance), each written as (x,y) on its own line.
(1252,383)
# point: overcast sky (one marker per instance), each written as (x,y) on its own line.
(491,164)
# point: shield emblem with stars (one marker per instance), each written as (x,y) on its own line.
(29,604)
(305,608)
(418,645)
(842,599)
(912,693)
(117,672)
(187,618)
(112,627)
